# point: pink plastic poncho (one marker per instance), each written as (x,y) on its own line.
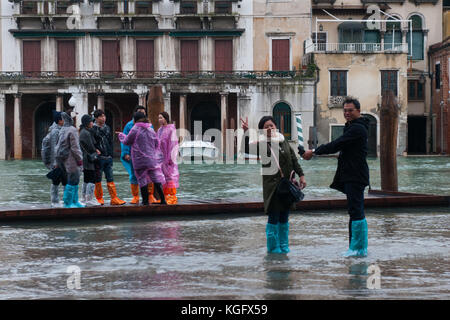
(145,153)
(169,147)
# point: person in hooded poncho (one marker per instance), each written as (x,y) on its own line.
(145,155)
(48,153)
(70,157)
(169,148)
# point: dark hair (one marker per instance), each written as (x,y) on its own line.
(98,113)
(264,120)
(56,116)
(138,116)
(352,100)
(166,116)
(139,107)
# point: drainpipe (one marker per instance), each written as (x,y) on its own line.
(430,75)
(442,127)
(316,81)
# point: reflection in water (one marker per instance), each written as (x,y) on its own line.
(278,276)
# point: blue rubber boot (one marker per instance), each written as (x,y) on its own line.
(68,196)
(358,241)
(75,202)
(273,241)
(283,233)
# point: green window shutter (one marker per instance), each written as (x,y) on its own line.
(417,45)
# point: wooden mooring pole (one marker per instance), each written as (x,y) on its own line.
(155,105)
(388,142)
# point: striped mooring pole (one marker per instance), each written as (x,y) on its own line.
(298,119)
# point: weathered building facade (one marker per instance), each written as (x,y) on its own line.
(364,59)
(205,56)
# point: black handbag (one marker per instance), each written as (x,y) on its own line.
(288,188)
(55,173)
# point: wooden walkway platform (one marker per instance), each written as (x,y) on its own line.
(375,198)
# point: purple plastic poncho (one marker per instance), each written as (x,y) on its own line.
(145,153)
(169,147)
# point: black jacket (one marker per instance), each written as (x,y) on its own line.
(103,140)
(87,146)
(352,164)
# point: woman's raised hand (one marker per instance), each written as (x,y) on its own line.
(244,124)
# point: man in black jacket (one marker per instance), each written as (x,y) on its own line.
(352,174)
(104,143)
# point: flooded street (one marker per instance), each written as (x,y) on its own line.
(221,257)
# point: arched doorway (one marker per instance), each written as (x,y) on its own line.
(282,116)
(43,119)
(372,136)
(208,113)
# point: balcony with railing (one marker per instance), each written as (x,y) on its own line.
(311,47)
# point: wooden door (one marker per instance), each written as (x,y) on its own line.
(111,58)
(31,58)
(66,58)
(145,61)
(189,56)
(224,56)
(280,55)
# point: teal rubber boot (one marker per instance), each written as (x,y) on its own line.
(283,234)
(358,242)
(273,241)
(68,196)
(75,202)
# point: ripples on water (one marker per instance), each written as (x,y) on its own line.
(225,257)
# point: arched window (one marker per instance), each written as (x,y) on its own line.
(417,38)
(393,35)
(282,116)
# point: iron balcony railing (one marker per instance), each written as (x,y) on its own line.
(387,47)
(121,75)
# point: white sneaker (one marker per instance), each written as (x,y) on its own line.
(57,205)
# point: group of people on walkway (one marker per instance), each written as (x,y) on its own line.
(351,178)
(145,154)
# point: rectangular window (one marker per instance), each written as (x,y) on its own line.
(143,7)
(280,55)
(31,62)
(28,7)
(338,83)
(222,7)
(417,45)
(145,58)
(389,81)
(415,90)
(437,75)
(223,55)
(61,7)
(188,7)
(321,40)
(66,58)
(108,7)
(336,132)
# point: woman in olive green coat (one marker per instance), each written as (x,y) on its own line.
(277,208)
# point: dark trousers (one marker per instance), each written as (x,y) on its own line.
(104,165)
(355,203)
(88,176)
(62,178)
(278,217)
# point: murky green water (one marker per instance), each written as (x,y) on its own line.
(225,257)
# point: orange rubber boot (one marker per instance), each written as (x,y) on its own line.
(113,193)
(98,191)
(171,197)
(151,197)
(135,193)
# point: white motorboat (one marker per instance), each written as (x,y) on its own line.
(198,149)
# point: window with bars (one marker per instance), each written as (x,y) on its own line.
(389,81)
(222,7)
(143,7)
(415,90)
(338,83)
(108,7)
(188,7)
(28,7)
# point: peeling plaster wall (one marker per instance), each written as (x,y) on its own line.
(364,83)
